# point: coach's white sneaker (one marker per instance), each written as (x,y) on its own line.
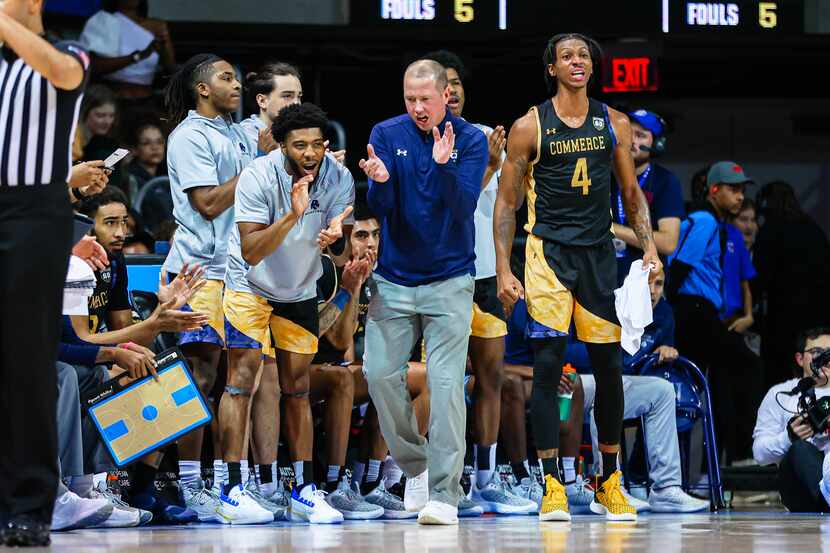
(238,507)
(438,512)
(416,492)
(309,504)
(675,500)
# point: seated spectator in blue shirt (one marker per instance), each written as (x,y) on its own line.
(696,288)
(738,270)
(658,337)
(660,187)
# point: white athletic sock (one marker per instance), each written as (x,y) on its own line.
(358,470)
(333,473)
(374,470)
(298,472)
(98,478)
(483,476)
(527,468)
(219,470)
(270,488)
(190,472)
(569,469)
(244,472)
(392,473)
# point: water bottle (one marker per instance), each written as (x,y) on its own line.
(565,399)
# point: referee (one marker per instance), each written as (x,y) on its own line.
(41,86)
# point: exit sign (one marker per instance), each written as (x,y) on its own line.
(629,74)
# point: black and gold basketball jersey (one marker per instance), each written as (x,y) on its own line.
(569,183)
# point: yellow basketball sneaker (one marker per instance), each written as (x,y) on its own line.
(554,502)
(610,501)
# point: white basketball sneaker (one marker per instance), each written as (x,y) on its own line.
(238,507)
(309,504)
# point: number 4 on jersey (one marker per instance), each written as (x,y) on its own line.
(580,178)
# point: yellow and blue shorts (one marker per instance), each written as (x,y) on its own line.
(488,313)
(252,322)
(571,282)
(208,301)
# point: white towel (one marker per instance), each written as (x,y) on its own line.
(80,285)
(633,304)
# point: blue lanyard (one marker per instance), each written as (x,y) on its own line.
(641,180)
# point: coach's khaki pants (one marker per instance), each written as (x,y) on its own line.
(398,315)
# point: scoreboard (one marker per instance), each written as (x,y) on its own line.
(749,17)
(594,17)
(479,15)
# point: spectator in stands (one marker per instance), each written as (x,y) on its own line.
(128,47)
(696,289)
(791,255)
(747,222)
(788,440)
(660,187)
(97,128)
(148,145)
(737,272)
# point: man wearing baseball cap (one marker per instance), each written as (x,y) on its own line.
(660,187)
(696,289)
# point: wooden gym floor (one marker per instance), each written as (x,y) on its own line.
(770,531)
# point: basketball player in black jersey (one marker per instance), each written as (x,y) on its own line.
(560,155)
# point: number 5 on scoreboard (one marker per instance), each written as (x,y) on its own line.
(767,18)
(580,178)
(464,11)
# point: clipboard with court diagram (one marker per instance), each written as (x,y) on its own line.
(145,415)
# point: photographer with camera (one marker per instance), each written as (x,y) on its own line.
(792,423)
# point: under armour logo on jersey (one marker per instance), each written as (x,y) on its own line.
(599,123)
(549,132)
(401,152)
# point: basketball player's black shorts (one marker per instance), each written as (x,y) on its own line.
(564,283)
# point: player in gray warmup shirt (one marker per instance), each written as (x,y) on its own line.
(289,205)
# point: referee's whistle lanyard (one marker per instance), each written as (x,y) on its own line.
(619,245)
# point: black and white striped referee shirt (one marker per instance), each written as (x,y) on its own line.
(37,121)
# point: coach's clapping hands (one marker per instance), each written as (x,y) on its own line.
(444,145)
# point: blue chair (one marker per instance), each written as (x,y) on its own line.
(693,404)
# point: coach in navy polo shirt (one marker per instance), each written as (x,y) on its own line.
(660,187)
(425,170)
